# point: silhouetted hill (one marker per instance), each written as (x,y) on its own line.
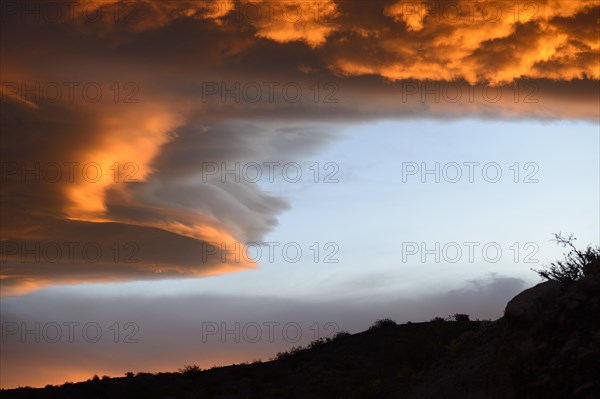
(546,346)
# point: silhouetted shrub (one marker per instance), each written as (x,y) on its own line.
(190,369)
(573,266)
(383,323)
(341,335)
(438,319)
(317,342)
(321,341)
(285,354)
(129,374)
(461,317)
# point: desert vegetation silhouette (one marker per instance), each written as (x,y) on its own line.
(575,263)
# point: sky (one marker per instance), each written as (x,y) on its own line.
(210,182)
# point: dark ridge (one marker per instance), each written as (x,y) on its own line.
(547,345)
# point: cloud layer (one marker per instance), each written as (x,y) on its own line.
(132,103)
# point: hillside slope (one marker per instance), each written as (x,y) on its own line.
(547,345)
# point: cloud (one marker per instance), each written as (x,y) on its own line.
(90,201)
(493,42)
(151,94)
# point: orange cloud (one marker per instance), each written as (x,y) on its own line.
(150,154)
(281,21)
(129,141)
(494,42)
(287,21)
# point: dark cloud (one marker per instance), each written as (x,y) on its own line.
(169,222)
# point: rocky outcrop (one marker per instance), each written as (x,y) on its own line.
(547,345)
(551,344)
(527,306)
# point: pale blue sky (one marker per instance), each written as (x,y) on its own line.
(371,211)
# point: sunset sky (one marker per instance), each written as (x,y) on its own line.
(197,181)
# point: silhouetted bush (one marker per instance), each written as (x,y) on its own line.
(317,342)
(383,323)
(129,374)
(285,354)
(438,319)
(190,369)
(321,341)
(573,266)
(461,317)
(341,335)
